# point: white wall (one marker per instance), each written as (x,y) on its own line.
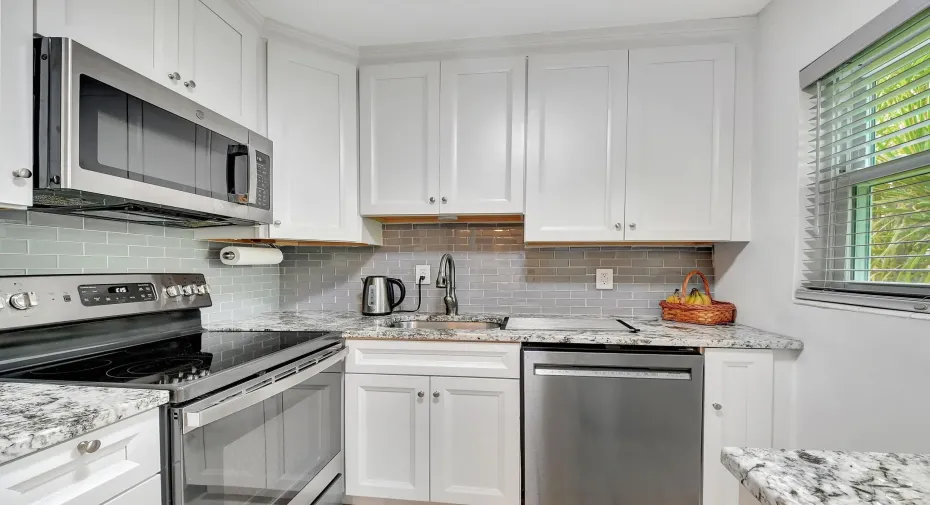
(863,380)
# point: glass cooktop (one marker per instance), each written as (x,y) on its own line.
(172,361)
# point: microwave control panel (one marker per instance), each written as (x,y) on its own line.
(263,171)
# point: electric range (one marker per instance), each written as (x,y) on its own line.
(231,393)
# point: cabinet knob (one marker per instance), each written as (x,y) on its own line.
(174,76)
(435,394)
(22,173)
(277,222)
(421,394)
(632,226)
(618,226)
(190,84)
(445,200)
(432,199)
(86,447)
(717,406)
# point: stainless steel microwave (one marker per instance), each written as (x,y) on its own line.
(112,144)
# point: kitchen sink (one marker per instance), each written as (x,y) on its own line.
(447,325)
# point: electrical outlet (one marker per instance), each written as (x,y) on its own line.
(422,271)
(605,278)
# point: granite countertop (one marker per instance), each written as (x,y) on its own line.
(802,477)
(653,332)
(36,416)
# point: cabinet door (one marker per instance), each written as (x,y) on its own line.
(475,441)
(737,413)
(576,147)
(140,34)
(16,104)
(218,59)
(482,106)
(399,110)
(387,436)
(679,172)
(312,121)
(147,493)
(129,454)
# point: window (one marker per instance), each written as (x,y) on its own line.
(867,195)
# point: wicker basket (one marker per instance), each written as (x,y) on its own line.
(716,313)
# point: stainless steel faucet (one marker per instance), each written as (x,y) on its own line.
(446,279)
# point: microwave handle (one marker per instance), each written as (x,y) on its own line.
(191,421)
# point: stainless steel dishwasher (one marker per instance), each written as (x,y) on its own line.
(610,425)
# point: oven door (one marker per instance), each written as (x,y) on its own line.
(107,130)
(271,440)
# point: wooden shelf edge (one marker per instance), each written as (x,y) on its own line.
(439,219)
(280,242)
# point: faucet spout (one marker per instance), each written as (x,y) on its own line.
(446,279)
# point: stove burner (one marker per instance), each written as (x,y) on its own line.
(73,368)
(159,366)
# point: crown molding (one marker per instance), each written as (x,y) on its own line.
(283,30)
(616,37)
(250,12)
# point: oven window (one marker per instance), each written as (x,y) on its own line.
(268,452)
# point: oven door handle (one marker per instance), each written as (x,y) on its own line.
(193,420)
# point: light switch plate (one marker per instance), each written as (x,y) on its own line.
(604,278)
(422,270)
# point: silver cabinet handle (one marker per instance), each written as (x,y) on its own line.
(277,222)
(190,84)
(421,394)
(22,173)
(717,406)
(445,200)
(432,199)
(174,76)
(618,226)
(86,447)
(435,394)
(632,226)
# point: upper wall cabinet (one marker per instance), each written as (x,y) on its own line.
(312,120)
(576,147)
(443,138)
(16,104)
(680,133)
(638,150)
(203,49)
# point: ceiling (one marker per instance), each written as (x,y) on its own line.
(379,22)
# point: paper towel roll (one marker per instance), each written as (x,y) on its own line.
(242,256)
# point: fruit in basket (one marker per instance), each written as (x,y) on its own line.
(695,297)
(675,297)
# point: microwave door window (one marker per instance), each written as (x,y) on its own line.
(107,116)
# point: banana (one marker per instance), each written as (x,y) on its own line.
(705,299)
(675,297)
(694,297)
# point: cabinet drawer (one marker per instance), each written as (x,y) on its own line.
(451,359)
(128,455)
(147,493)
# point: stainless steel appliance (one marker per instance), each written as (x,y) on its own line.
(605,425)
(254,417)
(113,144)
(378,295)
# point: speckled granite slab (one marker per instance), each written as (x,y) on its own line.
(653,332)
(36,416)
(801,477)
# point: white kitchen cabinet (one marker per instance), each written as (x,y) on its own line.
(129,455)
(475,441)
(218,58)
(482,116)
(312,120)
(387,436)
(203,49)
(738,412)
(141,34)
(399,111)
(679,170)
(16,104)
(147,493)
(576,147)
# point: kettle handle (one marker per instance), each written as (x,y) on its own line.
(403,292)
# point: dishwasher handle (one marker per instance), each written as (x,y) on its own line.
(603,372)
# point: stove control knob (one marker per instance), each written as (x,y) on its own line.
(200,290)
(188,290)
(24,301)
(206,288)
(190,377)
(173,291)
(204,373)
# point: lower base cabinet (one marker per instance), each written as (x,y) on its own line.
(440,439)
